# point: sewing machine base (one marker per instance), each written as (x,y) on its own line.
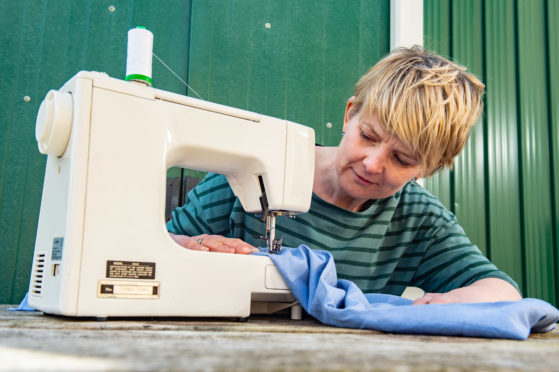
(291,309)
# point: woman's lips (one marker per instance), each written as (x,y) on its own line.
(361,179)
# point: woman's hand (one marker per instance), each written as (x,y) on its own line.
(214,243)
(483,290)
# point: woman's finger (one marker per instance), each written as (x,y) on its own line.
(240,246)
(214,243)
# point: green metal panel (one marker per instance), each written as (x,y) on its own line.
(437,38)
(296,60)
(534,150)
(15,180)
(44,43)
(503,195)
(437,26)
(469,167)
(553,99)
(510,169)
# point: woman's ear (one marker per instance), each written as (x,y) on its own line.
(349,111)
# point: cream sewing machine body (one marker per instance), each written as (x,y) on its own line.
(102,248)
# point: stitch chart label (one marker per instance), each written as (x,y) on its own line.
(130,270)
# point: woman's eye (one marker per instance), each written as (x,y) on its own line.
(366,137)
(402,162)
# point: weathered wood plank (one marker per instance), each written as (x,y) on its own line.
(32,341)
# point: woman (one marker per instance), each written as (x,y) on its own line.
(410,116)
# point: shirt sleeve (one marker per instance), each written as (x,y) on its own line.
(207,210)
(451,261)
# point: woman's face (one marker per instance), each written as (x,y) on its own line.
(372,163)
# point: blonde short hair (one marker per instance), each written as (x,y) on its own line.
(427,101)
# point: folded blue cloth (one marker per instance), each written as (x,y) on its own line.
(311,276)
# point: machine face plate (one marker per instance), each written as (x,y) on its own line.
(125,289)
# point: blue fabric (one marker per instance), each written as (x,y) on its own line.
(311,276)
(23,306)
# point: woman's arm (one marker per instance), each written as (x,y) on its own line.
(193,225)
(483,290)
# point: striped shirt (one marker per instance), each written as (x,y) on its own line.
(408,239)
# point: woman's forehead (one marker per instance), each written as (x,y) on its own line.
(372,122)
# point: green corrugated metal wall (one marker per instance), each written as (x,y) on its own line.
(295,59)
(291,59)
(503,188)
(43,44)
(299,60)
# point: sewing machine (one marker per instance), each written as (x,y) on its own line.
(102,248)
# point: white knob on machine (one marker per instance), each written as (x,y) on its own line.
(54,123)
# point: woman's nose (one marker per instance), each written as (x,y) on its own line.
(375,161)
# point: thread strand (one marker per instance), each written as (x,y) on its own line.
(176,75)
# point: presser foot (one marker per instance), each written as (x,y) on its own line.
(275,246)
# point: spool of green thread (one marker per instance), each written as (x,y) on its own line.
(139,55)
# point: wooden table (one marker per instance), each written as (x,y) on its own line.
(31,341)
